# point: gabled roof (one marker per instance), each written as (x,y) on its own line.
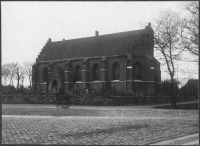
(104,45)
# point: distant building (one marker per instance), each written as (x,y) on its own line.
(8,89)
(193,86)
(124,61)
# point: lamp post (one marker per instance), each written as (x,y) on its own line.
(152,77)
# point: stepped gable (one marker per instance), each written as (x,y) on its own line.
(99,45)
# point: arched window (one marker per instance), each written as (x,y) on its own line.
(78,73)
(95,72)
(115,71)
(45,74)
(137,71)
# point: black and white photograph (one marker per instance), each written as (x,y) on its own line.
(100,72)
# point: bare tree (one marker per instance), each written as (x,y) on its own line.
(5,73)
(19,73)
(167,42)
(12,69)
(28,71)
(190,27)
(22,80)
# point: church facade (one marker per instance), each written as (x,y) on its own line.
(123,61)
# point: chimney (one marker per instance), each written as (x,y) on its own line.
(149,26)
(49,40)
(96,33)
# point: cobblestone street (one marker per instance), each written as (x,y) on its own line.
(95,125)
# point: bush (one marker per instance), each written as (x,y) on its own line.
(96,100)
(99,100)
(92,100)
(87,100)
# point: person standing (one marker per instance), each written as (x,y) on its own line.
(75,88)
(60,92)
(54,90)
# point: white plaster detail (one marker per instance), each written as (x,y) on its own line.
(117,81)
(95,81)
(152,68)
(79,82)
(143,81)
(42,83)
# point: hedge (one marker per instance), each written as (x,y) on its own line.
(92,100)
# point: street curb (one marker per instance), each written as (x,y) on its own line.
(166,139)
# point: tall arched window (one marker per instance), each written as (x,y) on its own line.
(95,72)
(45,74)
(115,71)
(137,71)
(78,73)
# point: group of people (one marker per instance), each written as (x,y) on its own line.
(61,91)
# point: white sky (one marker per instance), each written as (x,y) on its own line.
(26,26)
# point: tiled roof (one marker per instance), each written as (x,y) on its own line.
(102,45)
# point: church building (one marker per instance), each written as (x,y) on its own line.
(122,61)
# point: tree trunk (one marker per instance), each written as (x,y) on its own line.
(18,84)
(30,83)
(4,82)
(173,96)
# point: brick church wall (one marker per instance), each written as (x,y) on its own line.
(126,48)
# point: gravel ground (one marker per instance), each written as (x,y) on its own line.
(82,125)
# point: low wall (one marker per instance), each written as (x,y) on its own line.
(31,98)
(93,99)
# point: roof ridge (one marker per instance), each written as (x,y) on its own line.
(101,45)
(99,35)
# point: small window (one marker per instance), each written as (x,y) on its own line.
(96,72)
(78,73)
(137,71)
(115,71)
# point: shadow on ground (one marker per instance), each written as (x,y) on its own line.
(189,106)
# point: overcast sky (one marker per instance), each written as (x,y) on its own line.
(26,26)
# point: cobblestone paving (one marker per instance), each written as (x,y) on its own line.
(184,141)
(112,126)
